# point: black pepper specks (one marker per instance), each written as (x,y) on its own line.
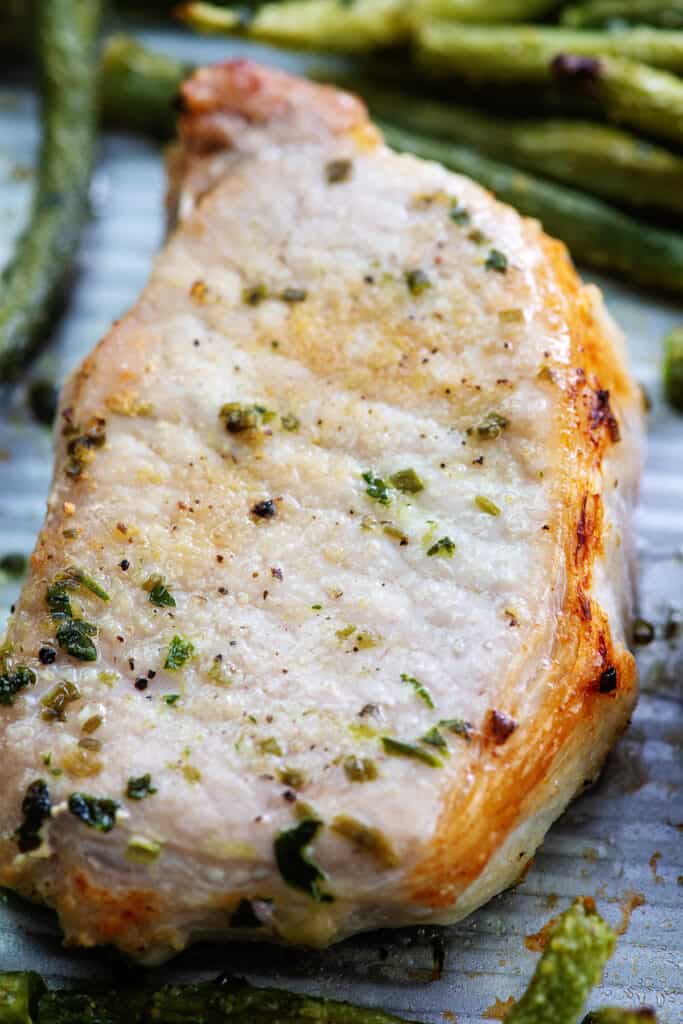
(608,680)
(264,509)
(141,683)
(124,565)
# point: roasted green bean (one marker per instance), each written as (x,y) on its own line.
(673,368)
(35,278)
(601,13)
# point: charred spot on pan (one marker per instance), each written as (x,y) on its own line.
(602,415)
(608,681)
(264,509)
(500,726)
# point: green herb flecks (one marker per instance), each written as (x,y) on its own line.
(95,812)
(407,481)
(337,171)
(58,602)
(377,488)
(179,652)
(442,548)
(294,863)
(485,504)
(497,260)
(294,295)
(75,637)
(433,738)
(458,727)
(417,281)
(159,594)
(289,421)
(74,576)
(270,746)
(171,699)
(419,689)
(12,683)
(292,777)
(397,748)
(35,809)
(81,450)
(137,788)
(58,699)
(141,850)
(360,769)
(239,418)
(492,426)
(255,294)
(458,214)
(366,839)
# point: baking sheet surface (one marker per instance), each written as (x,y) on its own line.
(621,843)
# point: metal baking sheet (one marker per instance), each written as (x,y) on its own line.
(621,843)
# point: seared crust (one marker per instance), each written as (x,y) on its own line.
(542,726)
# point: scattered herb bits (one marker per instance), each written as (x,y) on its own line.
(360,769)
(407,481)
(95,812)
(289,422)
(485,504)
(366,839)
(433,738)
(458,726)
(294,295)
(492,426)
(458,214)
(497,260)
(57,701)
(419,689)
(171,699)
(337,171)
(140,787)
(75,636)
(12,683)
(255,294)
(397,748)
(294,863)
(377,488)
(159,594)
(417,281)
(141,850)
(442,548)
(265,509)
(179,652)
(36,808)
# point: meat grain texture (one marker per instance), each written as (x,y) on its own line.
(282,617)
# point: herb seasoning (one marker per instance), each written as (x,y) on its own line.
(397,748)
(294,863)
(58,699)
(294,295)
(255,295)
(497,260)
(95,812)
(419,689)
(159,593)
(179,651)
(486,505)
(337,171)
(366,839)
(11,683)
(140,787)
(443,548)
(407,481)
(492,426)
(35,808)
(359,769)
(377,488)
(417,281)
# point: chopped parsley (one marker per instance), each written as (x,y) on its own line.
(58,699)
(289,421)
(419,689)
(377,488)
(492,426)
(407,481)
(360,769)
(58,602)
(80,449)
(337,171)
(159,594)
(486,505)
(171,699)
(140,787)
(417,281)
(244,419)
(292,777)
(443,548)
(397,748)
(75,637)
(458,214)
(95,812)
(294,295)
(141,850)
(497,260)
(270,746)
(11,683)
(255,294)
(73,576)
(35,808)
(366,839)
(179,651)
(457,726)
(434,738)
(294,864)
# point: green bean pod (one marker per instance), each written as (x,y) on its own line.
(673,368)
(34,281)
(604,13)
(483,12)
(595,157)
(138,87)
(597,234)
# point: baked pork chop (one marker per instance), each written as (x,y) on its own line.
(326,622)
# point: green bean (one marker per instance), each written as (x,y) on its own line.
(308,24)
(625,91)
(594,157)
(579,946)
(34,280)
(601,13)
(672,374)
(596,233)
(526,52)
(20,992)
(137,87)
(484,12)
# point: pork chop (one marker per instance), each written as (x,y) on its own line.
(326,624)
